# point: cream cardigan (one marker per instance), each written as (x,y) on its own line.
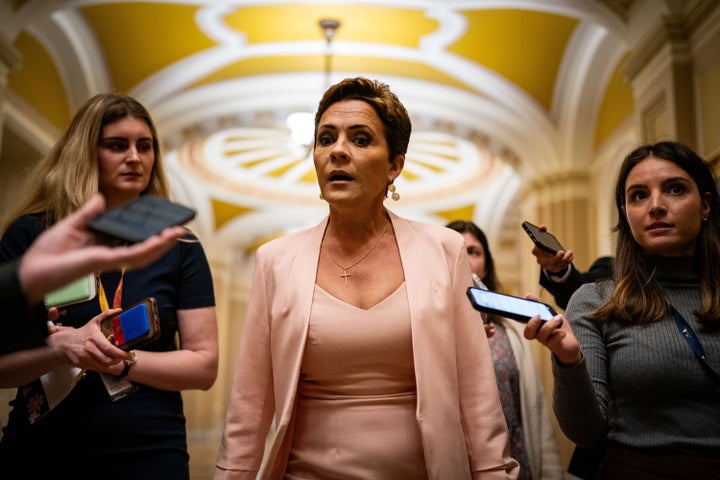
(537,425)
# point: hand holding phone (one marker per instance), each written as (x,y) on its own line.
(140,219)
(135,326)
(543,239)
(516,308)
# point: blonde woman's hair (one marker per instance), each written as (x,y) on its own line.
(69,175)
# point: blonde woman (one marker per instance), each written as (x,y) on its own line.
(124,417)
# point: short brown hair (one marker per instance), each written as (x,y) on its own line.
(386,104)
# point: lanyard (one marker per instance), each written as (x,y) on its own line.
(117,298)
(102,298)
(689,335)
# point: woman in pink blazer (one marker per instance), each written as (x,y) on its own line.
(360,348)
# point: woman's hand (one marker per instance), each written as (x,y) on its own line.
(86,347)
(557,335)
(489,327)
(553,263)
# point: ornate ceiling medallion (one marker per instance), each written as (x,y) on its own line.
(266,163)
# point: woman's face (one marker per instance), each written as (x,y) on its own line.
(476,254)
(125,159)
(664,208)
(351,154)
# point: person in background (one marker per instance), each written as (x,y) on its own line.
(638,360)
(60,255)
(123,417)
(559,276)
(359,344)
(532,438)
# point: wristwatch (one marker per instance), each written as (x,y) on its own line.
(129,363)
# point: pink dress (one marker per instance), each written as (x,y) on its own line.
(355,409)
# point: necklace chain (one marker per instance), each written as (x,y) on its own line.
(345,273)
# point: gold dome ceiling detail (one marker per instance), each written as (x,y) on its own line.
(532,77)
(265,163)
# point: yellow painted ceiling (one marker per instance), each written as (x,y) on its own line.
(524,47)
(370,65)
(617,106)
(224,212)
(508,58)
(298,22)
(38,82)
(140,39)
(137,45)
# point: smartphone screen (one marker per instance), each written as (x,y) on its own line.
(544,240)
(142,218)
(517,308)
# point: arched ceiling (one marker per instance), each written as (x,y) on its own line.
(500,91)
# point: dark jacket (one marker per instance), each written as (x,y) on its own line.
(21,327)
(600,269)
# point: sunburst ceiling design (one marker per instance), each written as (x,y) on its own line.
(503,85)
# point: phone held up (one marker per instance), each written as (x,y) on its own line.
(544,240)
(140,219)
(82,290)
(135,326)
(509,306)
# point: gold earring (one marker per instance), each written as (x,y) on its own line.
(321,196)
(394,196)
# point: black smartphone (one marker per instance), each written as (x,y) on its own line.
(544,240)
(135,326)
(139,219)
(517,308)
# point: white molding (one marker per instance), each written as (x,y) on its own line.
(29,125)
(10,57)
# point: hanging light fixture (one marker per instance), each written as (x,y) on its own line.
(302,124)
(329,27)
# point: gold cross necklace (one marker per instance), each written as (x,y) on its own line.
(345,273)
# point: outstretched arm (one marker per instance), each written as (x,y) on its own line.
(67,251)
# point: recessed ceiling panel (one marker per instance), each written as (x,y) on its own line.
(266,163)
(358,23)
(523,46)
(369,66)
(140,39)
(39,82)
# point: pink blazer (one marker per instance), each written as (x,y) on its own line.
(461,421)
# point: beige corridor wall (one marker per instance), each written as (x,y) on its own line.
(709,106)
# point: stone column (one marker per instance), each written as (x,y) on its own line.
(660,72)
(205,410)
(10,59)
(561,201)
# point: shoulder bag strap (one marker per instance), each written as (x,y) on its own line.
(689,335)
